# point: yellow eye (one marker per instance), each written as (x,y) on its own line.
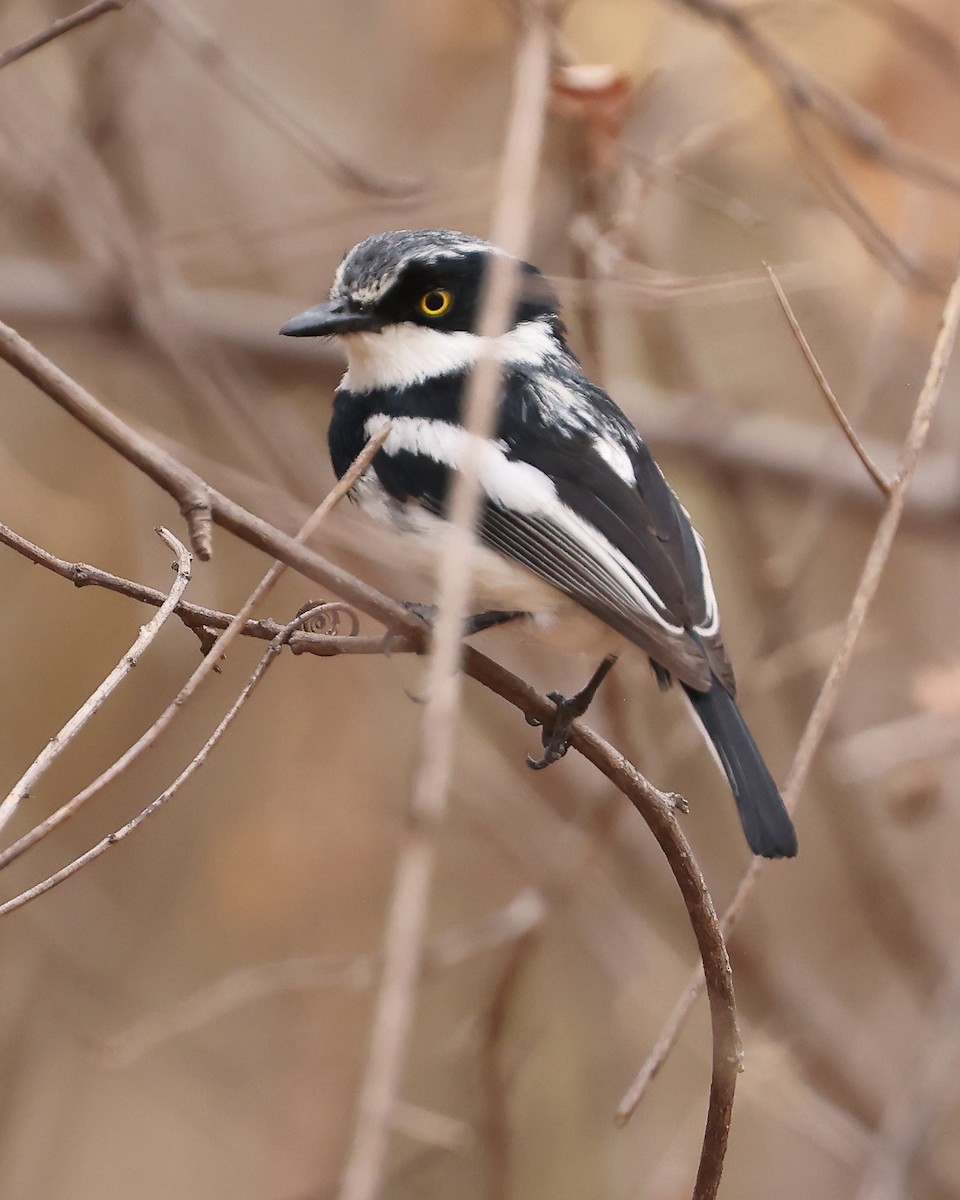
(436,302)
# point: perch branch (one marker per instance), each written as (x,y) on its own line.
(655,807)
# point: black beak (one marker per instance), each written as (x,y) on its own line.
(329,318)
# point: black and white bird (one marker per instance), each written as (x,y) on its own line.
(578,526)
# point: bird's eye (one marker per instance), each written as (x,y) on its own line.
(435,302)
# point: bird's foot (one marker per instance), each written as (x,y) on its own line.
(476,623)
(489,620)
(556,733)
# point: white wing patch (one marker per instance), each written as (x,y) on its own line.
(711,623)
(562,406)
(516,485)
(616,458)
(524,489)
(406,354)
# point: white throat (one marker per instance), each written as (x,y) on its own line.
(407,354)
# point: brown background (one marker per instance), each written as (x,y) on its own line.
(173,189)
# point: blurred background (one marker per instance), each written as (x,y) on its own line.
(189,1016)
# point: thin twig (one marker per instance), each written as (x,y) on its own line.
(249,985)
(819,718)
(920,1102)
(800,94)
(201,42)
(657,809)
(206,667)
(58,28)
(187,488)
(404,934)
(849,432)
(118,835)
(196,617)
(148,632)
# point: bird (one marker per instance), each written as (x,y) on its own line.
(578,527)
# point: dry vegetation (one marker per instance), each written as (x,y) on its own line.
(364,952)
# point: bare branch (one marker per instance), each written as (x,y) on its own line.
(249,985)
(59,742)
(800,94)
(834,404)
(404,934)
(58,877)
(187,489)
(59,27)
(819,718)
(202,44)
(206,667)
(657,808)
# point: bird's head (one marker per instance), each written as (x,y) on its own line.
(406,304)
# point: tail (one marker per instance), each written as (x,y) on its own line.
(764,818)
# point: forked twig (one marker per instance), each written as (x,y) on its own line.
(206,667)
(118,835)
(59,742)
(815,728)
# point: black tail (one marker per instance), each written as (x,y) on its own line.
(765,821)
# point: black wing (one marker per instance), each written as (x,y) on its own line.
(612,535)
(605,475)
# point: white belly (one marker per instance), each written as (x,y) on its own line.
(498,582)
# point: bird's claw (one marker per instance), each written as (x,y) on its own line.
(555,737)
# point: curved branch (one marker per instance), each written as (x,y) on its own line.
(656,807)
(826,701)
